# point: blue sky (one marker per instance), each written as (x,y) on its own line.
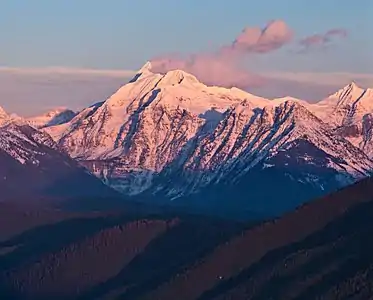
(118,34)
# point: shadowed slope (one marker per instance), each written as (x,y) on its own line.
(321,250)
(32,167)
(95,256)
(230,259)
(333,263)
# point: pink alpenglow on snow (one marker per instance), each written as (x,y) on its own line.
(321,40)
(224,66)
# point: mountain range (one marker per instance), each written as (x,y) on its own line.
(171,189)
(170,139)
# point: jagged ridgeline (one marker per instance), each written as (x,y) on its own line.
(164,137)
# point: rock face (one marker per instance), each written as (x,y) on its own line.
(168,136)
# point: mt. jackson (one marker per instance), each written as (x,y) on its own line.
(167,137)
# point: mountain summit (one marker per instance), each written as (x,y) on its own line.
(6,118)
(349,93)
(145,68)
(350,113)
(3,115)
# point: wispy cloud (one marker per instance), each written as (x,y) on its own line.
(255,40)
(224,66)
(30,91)
(319,41)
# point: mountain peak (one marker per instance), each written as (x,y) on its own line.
(350,91)
(146,68)
(352,84)
(352,87)
(3,113)
(6,118)
(56,111)
(143,71)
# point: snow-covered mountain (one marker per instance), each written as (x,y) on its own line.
(260,157)
(350,112)
(6,118)
(145,124)
(245,138)
(31,166)
(100,130)
(3,114)
(56,116)
(170,135)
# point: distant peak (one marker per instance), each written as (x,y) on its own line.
(3,112)
(56,116)
(352,85)
(350,91)
(143,71)
(145,68)
(58,110)
(6,118)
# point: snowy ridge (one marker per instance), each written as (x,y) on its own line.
(23,142)
(161,126)
(349,111)
(248,137)
(56,116)
(345,106)
(101,131)
(5,118)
